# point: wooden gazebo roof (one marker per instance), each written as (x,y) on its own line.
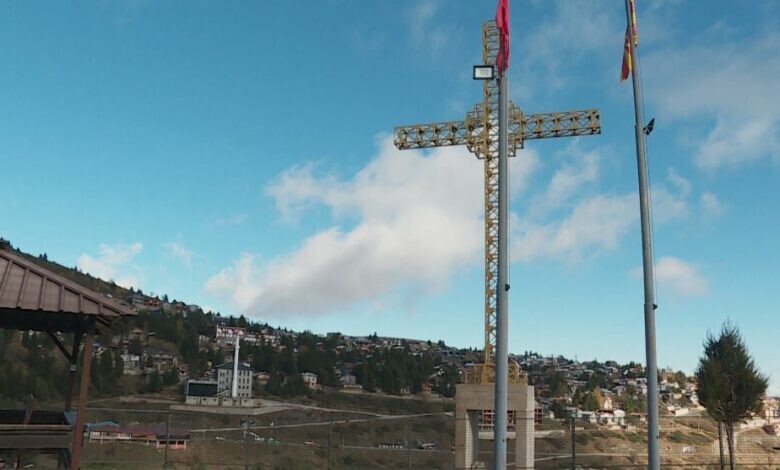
(35,298)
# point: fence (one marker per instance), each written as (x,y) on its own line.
(289,439)
(303,438)
(686,442)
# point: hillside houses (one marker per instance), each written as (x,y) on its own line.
(338,362)
(159,360)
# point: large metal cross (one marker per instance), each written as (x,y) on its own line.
(479,133)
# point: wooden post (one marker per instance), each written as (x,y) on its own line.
(720,443)
(167,439)
(27,416)
(73,364)
(78,431)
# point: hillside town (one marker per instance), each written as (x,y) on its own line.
(176,345)
(206,362)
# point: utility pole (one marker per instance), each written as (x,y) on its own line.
(247,422)
(409,442)
(653,435)
(720,444)
(330,434)
(573,443)
(167,439)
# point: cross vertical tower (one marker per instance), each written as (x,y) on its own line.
(479,133)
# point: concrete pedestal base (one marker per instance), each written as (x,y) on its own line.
(470,401)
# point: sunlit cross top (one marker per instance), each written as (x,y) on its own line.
(479,133)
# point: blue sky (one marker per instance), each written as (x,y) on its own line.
(237,155)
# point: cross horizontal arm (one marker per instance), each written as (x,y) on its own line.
(545,125)
(522,127)
(435,134)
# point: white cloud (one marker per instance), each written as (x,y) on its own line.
(595,224)
(676,275)
(733,142)
(667,205)
(408,219)
(233,219)
(176,250)
(731,88)
(112,263)
(579,169)
(576,30)
(423,29)
(710,205)
(682,184)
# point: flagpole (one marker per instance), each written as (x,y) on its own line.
(653,436)
(502,310)
(501,358)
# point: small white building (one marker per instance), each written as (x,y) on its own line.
(131,364)
(262,377)
(310,380)
(611,417)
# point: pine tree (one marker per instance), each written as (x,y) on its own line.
(731,387)
(155,383)
(119,365)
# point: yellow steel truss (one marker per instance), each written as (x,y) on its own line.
(479,133)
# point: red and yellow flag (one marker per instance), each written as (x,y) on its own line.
(502,23)
(625,70)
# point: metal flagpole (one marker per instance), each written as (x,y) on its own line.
(653,456)
(502,323)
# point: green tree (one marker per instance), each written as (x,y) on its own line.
(119,366)
(558,385)
(591,401)
(448,381)
(274,384)
(366,376)
(155,382)
(730,386)
(171,377)
(135,346)
(680,377)
(295,386)
(96,375)
(559,410)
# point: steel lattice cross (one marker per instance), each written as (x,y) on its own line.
(479,133)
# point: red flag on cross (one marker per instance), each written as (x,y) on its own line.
(502,23)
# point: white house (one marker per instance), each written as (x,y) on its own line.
(611,417)
(310,380)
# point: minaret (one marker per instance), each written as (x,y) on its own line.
(234,394)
